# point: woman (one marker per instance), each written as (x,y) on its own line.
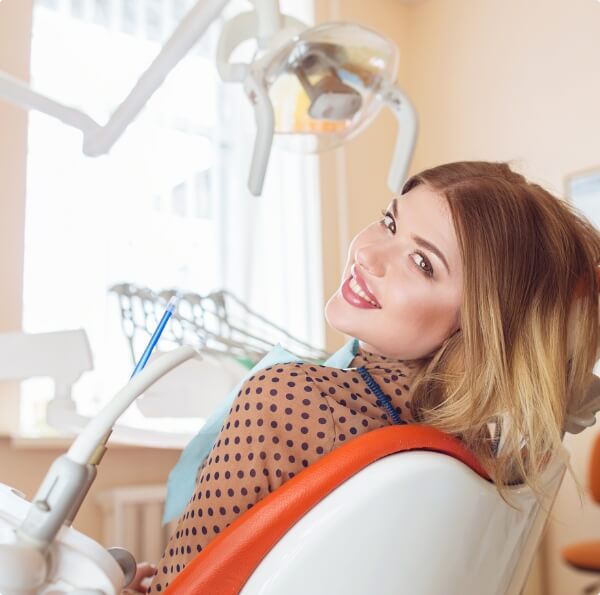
(460,297)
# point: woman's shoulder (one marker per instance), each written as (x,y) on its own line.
(282,393)
(300,370)
(295,379)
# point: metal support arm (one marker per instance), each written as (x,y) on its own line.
(98,139)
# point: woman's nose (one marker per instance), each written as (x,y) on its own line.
(371,259)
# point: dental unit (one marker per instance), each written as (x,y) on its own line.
(39,551)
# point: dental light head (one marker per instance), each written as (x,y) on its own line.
(330,98)
(325,82)
(311,89)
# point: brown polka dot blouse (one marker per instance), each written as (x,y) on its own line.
(284,418)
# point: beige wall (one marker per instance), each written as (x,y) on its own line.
(491,80)
(15,32)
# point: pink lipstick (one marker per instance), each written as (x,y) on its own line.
(356,292)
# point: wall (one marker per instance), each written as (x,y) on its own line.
(15,32)
(491,80)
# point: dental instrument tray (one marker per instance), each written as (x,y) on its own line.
(218,323)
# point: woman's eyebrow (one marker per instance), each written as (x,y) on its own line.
(428,246)
(422,241)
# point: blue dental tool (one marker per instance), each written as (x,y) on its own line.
(155,336)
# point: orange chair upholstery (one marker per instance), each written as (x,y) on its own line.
(225,565)
(586,555)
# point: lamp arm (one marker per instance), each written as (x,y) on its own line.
(406,137)
(265,128)
(98,139)
(269,18)
(187,33)
(20,94)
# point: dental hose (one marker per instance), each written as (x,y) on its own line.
(170,309)
(70,476)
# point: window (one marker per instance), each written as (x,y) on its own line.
(167,207)
(583,190)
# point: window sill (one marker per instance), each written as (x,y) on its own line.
(23,442)
(61,443)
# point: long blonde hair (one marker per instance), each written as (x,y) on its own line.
(524,254)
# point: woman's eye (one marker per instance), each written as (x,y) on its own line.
(427,269)
(388,221)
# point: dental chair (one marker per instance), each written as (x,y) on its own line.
(400,510)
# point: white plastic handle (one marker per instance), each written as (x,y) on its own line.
(265,128)
(406,137)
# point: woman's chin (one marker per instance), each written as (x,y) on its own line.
(329,306)
(337,315)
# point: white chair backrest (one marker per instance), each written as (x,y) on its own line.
(414,522)
(61,355)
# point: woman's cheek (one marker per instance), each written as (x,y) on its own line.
(436,316)
(409,303)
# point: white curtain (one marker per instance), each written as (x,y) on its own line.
(271,256)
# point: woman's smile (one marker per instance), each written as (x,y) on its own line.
(357,293)
(355,296)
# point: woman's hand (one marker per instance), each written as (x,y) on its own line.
(142,579)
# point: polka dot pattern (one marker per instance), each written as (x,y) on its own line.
(283,419)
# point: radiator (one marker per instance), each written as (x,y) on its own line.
(131,518)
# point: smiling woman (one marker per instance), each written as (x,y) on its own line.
(413,300)
(459,300)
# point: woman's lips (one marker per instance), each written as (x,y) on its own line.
(353,298)
(363,284)
(356,300)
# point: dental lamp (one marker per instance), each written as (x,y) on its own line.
(311,89)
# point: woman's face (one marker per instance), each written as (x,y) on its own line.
(408,269)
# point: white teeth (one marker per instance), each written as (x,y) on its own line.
(355,287)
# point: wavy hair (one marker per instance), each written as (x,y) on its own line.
(529,333)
